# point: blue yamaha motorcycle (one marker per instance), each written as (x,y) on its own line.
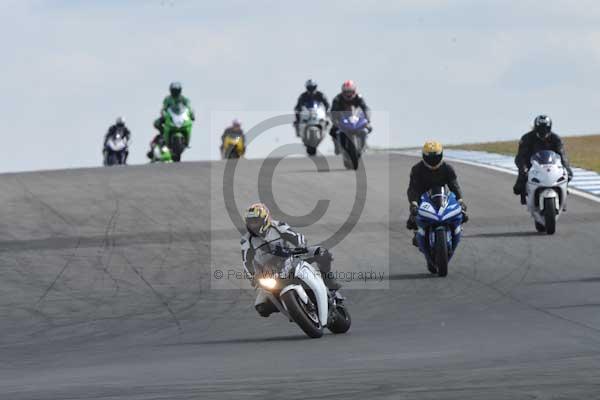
(353,128)
(439,221)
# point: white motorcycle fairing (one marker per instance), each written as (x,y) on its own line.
(313,124)
(307,274)
(179,118)
(117,143)
(546,181)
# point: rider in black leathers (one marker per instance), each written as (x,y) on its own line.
(310,95)
(539,139)
(431,171)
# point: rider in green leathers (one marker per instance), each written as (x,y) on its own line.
(172,100)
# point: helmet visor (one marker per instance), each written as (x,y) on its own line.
(256,226)
(433,160)
(348,93)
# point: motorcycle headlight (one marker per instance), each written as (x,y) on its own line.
(268,283)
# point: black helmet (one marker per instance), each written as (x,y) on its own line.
(542,126)
(175,89)
(120,121)
(310,85)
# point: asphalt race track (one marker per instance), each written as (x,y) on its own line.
(107,291)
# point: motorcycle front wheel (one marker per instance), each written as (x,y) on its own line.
(549,216)
(306,319)
(441,252)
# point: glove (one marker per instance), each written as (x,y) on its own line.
(369,128)
(462,205)
(414,207)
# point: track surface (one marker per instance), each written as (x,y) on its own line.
(105,292)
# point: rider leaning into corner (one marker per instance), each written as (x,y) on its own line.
(310,95)
(344,101)
(539,139)
(431,171)
(266,241)
(118,126)
(175,97)
(234,130)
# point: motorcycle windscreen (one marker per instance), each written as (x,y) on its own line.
(545,157)
(438,196)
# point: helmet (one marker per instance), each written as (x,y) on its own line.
(310,85)
(349,90)
(175,89)
(236,123)
(258,219)
(433,153)
(542,126)
(120,121)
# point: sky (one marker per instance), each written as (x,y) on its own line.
(457,71)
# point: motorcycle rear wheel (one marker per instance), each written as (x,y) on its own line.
(341,321)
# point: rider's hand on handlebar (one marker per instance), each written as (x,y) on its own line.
(462,205)
(414,207)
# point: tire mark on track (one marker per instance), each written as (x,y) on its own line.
(59,275)
(162,300)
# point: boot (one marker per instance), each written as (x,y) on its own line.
(331,283)
(336,146)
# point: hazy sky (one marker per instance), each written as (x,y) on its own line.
(458,71)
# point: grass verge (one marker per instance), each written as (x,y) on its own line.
(583,151)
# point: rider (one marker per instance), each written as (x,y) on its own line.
(173,99)
(267,240)
(310,95)
(538,139)
(118,126)
(343,102)
(235,130)
(431,171)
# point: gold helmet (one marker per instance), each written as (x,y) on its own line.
(433,153)
(258,219)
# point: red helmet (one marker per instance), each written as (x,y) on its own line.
(349,89)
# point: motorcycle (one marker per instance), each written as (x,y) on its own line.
(116,150)
(177,129)
(439,221)
(312,126)
(233,147)
(297,290)
(353,130)
(547,189)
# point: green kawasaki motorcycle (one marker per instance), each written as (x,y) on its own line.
(177,129)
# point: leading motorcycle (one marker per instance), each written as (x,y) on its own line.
(297,290)
(353,128)
(439,221)
(177,129)
(313,125)
(547,189)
